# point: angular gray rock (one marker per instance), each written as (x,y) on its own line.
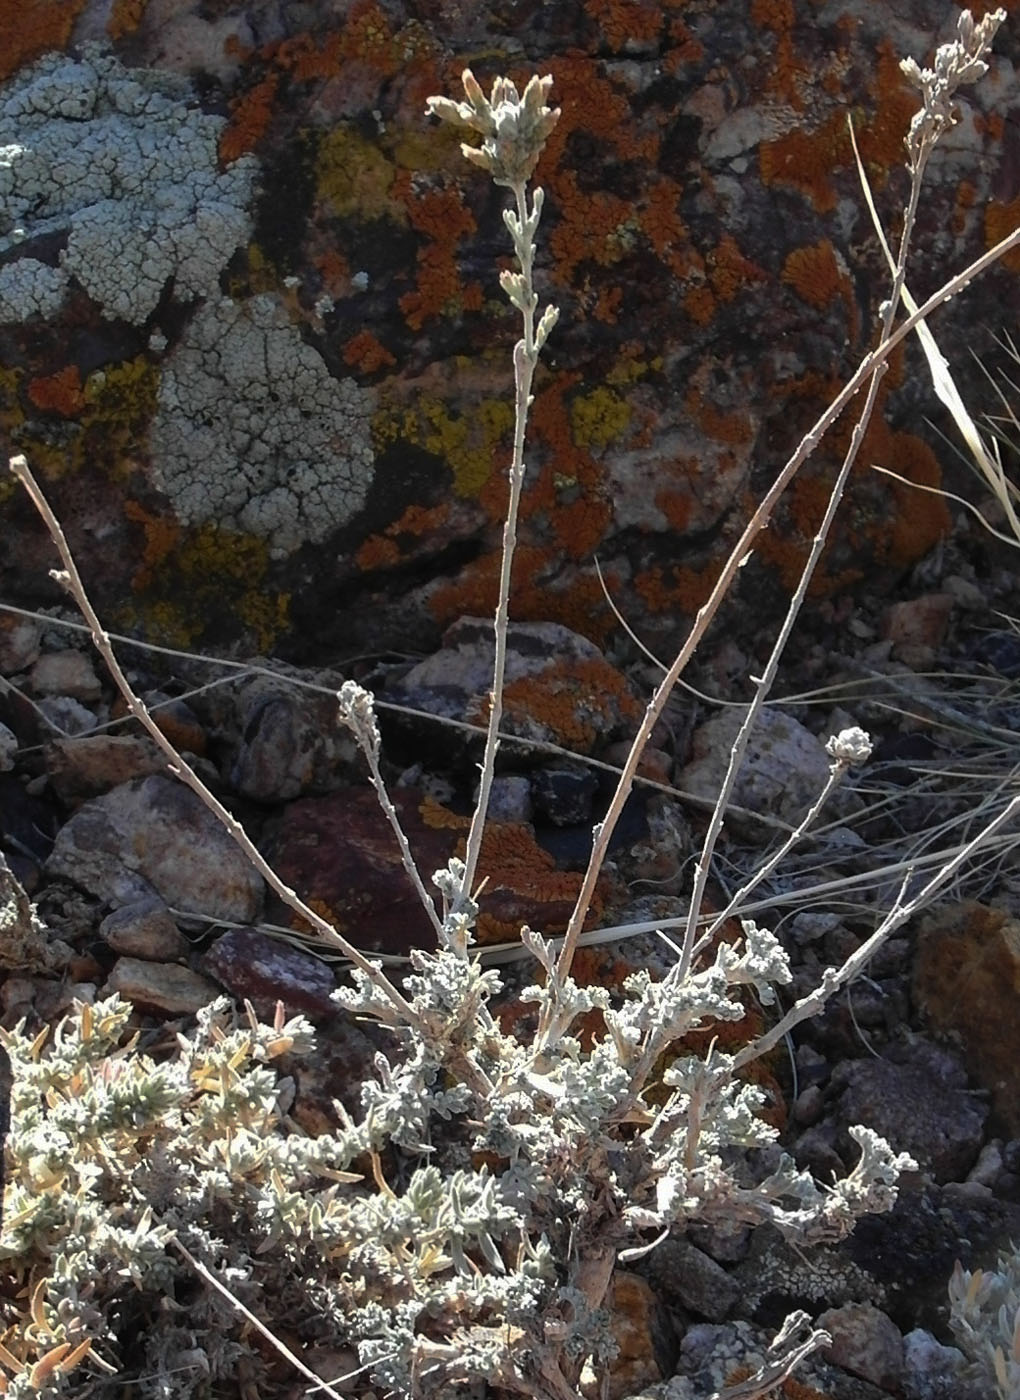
(154,836)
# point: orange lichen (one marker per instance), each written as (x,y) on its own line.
(125,17)
(521,882)
(607,305)
(440,215)
(577,603)
(919,518)
(793,1389)
(161,534)
(377,552)
(817,275)
(729,271)
(622,20)
(440,818)
(991,125)
(593,226)
(664,228)
(684,47)
(805,160)
(772,14)
(700,305)
(881,137)
(966,197)
(249,119)
(335,271)
(581,525)
(33,27)
(676,506)
(366,37)
(1000,221)
(420,520)
(367,353)
(684,591)
(721,425)
(59,393)
(383,552)
(579,699)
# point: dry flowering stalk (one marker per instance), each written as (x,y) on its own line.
(513,130)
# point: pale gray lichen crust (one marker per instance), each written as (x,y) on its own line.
(122,166)
(253,432)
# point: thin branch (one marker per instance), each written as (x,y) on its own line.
(71,580)
(759,520)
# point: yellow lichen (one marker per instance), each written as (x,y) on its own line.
(598,418)
(355,178)
(469,443)
(119,405)
(191,579)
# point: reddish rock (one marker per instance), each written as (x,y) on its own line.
(643,1335)
(967,983)
(264,970)
(866,1342)
(340,852)
(917,628)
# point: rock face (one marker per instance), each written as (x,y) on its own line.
(252,334)
(153,836)
(966,980)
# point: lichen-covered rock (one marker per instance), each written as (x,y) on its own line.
(559,689)
(703,234)
(118,169)
(253,432)
(340,851)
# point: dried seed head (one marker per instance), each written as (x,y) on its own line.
(849,747)
(514,127)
